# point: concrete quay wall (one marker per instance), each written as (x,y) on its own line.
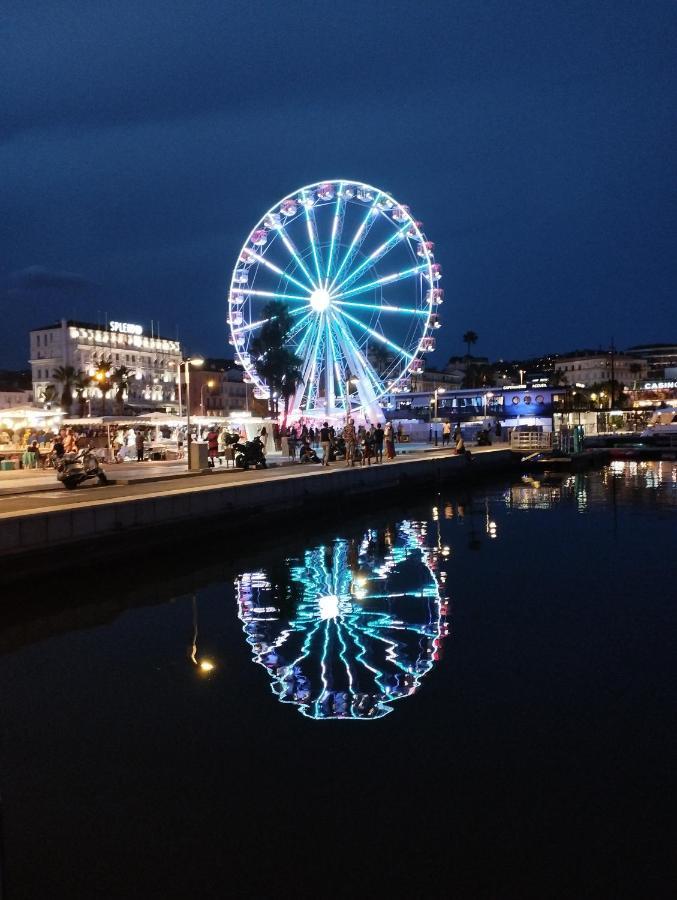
(236,505)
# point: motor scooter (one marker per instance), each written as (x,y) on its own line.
(251,453)
(72,469)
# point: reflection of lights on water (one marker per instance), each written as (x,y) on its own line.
(336,658)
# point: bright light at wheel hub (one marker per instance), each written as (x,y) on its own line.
(320,300)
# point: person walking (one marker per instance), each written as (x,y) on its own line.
(350,437)
(263,435)
(446,433)
(213,446)
(325,440)
(379,437)
(139,445)
(389,435)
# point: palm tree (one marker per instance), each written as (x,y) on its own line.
(119,378)
(469,338)
(381,357)
(275,363)
(66,375)
(80,385)
(49,395)
(290,380)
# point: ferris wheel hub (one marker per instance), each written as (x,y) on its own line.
(320,300)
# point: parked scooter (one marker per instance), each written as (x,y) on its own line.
(74,468)
(251,453)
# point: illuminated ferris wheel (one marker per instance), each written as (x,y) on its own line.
(361,287)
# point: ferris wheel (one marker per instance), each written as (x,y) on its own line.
(360,285)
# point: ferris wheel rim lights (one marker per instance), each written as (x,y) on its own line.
(327,280)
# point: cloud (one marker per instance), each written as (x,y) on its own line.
(36,278)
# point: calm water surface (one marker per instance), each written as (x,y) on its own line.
(473,695)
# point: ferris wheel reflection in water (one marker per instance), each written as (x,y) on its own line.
(353,625)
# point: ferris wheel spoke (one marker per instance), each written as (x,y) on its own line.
(311,225)
(294,330)
(356,358)
(252,325)
(379,337)
(386,279)
(272,295)
(278,271)
(358,239)
(383,307)
(289,244)
(374,257)
(336,230)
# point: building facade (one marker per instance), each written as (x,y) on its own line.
(586,369)
(217,389)
(152,361)
(658,357)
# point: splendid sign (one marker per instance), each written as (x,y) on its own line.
(126,328)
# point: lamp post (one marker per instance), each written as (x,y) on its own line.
(436,393)
(349,380)
(210,385)
(187,363)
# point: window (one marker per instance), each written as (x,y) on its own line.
(527,399)
(539,398)
(515,400)
(38,340)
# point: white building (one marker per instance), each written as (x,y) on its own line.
(595,368)
(153,361)
(15,398)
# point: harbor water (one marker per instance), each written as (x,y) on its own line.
(473,694)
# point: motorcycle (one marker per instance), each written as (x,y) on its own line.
(250,453)
(74,468)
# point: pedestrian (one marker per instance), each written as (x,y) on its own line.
(400,433)
(213,445)
(325,440)
(379,437)
(497,429)
(263,434)
(457,433)
(139,441)
(460,445)
(367,447)
(446,433)
(69,442)
(389,436)
(350,437)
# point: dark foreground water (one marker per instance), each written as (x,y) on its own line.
(472,696)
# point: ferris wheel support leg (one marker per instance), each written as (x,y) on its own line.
(370,405)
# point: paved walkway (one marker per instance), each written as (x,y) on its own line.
(53,496)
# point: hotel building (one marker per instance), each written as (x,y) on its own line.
(153,361)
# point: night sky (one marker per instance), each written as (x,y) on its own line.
(141,142)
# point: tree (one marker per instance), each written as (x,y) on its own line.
(49,395)
(469,338)
(80,385)
(119,378)
(382,358)
(65,376)
(279,367)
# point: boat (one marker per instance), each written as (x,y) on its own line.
(661,430)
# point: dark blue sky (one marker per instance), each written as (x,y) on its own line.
(141,141)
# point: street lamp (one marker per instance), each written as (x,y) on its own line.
(196,361)
(349,380)
(436,392)
(210,384)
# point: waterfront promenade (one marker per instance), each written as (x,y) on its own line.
(54,518)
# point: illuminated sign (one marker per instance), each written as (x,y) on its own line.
(126,328)
(659,385)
